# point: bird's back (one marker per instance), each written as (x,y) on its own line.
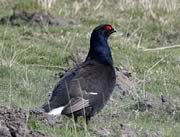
(91,81)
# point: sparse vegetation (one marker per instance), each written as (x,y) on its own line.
(31,55)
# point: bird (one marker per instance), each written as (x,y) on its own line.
(85,89)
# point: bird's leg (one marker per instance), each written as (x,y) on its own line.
(88,118)
(75,118)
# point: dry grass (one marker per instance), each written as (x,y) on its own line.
(149,5)
(46,4)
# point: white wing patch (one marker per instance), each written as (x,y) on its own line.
(56,111)
(92,93)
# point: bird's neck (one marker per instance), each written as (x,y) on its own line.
(99,50)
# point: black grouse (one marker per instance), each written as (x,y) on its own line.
(85,89)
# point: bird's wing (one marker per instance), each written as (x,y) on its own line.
(76,104)
(90,78)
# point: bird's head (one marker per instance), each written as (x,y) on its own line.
(104,30)
(99,48)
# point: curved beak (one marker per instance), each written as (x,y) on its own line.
(109,32)
(113,30)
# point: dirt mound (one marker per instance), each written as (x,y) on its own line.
(125,82)
(13,123)
(36,18)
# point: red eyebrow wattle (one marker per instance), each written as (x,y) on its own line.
(108,27)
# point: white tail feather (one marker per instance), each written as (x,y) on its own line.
(56,111)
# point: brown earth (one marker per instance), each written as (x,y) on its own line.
(13,123)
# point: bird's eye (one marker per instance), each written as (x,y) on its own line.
(108,27)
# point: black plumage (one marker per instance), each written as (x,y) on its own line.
(84,90)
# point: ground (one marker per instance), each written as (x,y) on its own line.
(31,57)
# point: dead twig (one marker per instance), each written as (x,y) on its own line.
(153,66)
(161,48)
(46,66)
